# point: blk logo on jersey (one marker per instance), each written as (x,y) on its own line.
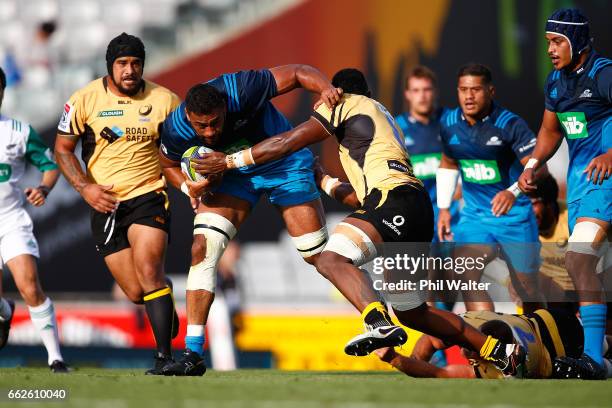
(5,172)
(425,165)
(574,124)
(480,171)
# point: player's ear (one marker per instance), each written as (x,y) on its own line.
(492,90)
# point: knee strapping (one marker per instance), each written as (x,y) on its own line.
(217,231)
(351,242)
(587,239)
(312,243)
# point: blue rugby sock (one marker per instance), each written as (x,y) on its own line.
(195,344)
(594,324)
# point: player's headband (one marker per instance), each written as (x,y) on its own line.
(124,45)
(573,26)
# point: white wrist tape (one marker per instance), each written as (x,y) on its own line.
(531,163)
(240,159)
(514,189)
(329,184)
(446,182)
(185,189)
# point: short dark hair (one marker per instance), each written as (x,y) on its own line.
(498,329)
(474,69)
(423,72)
(352,81)
(2,79)
(202,99)
(548,190)
(48,27)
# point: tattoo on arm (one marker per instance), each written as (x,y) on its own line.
(71,169)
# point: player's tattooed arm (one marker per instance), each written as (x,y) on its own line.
(99,197)
(68,162)
(289,77)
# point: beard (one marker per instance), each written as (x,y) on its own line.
(127,91)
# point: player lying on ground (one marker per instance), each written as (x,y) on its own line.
(578,105)
(117,117)
(382,187)
(231,113)
(545,334)
(19,145)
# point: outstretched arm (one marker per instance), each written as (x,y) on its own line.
(415,367)
(273,148)
(290,77)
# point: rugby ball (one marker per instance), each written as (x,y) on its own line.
(194,152)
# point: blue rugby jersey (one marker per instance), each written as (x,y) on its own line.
(423,143)
(250,118)
(582,101)
(488,154)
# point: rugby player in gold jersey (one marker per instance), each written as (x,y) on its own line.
(117,118)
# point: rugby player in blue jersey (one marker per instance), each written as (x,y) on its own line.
(231,113)
(391,206)
(487,143)
(578,105)
(421,128)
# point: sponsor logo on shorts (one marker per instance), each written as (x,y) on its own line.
(5,172)
(586,94)
(425,165)
(392,226)
(480,171)
(574,124)
(110,113)
(397,165)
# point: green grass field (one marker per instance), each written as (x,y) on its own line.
(92,388)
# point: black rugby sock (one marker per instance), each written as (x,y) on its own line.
(159,305)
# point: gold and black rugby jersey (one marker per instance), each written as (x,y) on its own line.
(553,252)
(544,334)
(120,135)
(371,144)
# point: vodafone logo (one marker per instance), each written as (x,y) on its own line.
(398,220)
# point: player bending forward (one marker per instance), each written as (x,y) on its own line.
(382,186)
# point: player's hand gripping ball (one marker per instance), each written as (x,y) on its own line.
(194,152)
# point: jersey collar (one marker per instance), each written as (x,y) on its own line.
(584,67)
